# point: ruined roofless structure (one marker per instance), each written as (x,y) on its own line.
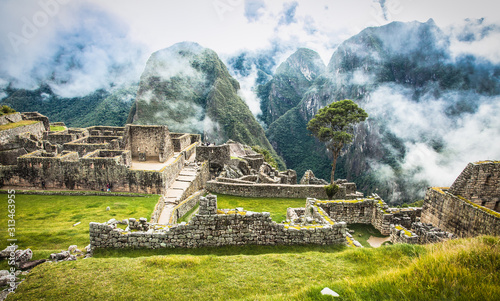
(134,158)
(471,206)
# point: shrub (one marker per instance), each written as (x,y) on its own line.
(6,110)
(331,190)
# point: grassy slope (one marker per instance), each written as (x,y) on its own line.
(46,222)
(277,207)
(458,270)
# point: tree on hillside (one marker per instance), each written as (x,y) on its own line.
(334,124)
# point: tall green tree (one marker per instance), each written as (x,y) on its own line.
(334,124)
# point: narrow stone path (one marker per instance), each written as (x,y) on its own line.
(177,189)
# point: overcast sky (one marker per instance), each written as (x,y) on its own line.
(227,26)
(83,44)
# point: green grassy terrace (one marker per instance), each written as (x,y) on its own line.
(57,128)
(45,222)
(276,206)
(13,125)
(466,269)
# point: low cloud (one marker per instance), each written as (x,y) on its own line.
(77,49)
(247,91)
(477,37)
(438,145)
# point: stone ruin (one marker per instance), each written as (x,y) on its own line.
(235,162)
(91,158)
(468,208)
(238,170)
(214,227)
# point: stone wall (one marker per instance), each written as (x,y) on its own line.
(199,183)
(39,117)
(401,235)
(254,161)
(91,172)
(190,150)
(60,137)
(218,154)
(92,143)
(68,171)
(458,215)
(479,183)
(106,130)
(10,118)
(428,233)
(180,141)
(372,211)
(271,190)
(184,207)
(152,140)
(160,205)
(351,212)
(35,129)
(211,229)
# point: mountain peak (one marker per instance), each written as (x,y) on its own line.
(304,61)
(188,88)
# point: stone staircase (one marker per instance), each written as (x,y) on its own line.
(174,194)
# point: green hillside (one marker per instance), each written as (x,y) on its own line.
(99,108)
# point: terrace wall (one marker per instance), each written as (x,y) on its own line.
(479,183)
(184,207)
(210,229)
(458,215)
(369,211)
(180,141)
(10,118)
(35,129)
(271,190)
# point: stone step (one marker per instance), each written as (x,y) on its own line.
(187,173)
(180,185)
(185,178)
(174,193)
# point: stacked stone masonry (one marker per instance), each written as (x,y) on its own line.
(372,211)
(210,228)
(92,158)
(457,215)
(186,205)
(273,190)
(479,183)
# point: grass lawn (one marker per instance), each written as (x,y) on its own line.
(57,128)
(45,222)
(465,269)
(277,207)
(13,125)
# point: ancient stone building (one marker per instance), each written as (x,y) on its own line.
(480,183)
(470,206)
(130,159)
(148,142)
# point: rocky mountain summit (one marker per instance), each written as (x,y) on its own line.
(188,88)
